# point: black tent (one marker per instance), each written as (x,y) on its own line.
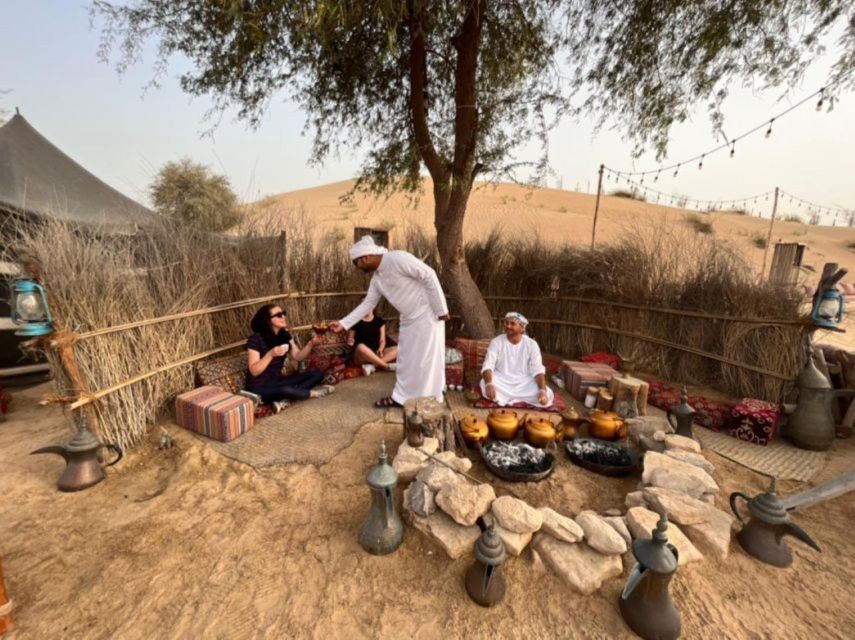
(38,179)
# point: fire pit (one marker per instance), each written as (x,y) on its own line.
(605,458)
(517,461)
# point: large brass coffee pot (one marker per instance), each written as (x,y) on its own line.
(82,468)
(811,425)
(382,532)
(763,535)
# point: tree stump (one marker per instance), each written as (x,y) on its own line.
(623,385)
(437,421)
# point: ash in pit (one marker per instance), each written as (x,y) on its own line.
(517,457)
(601,453)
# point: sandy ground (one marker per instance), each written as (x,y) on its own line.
(188,544)
(562,217)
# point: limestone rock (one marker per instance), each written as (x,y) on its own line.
(707,527)
(647,426)
(599,534)
(612,512)
(536,563)
(641,523)
(409,461)
(514,542)
(709,498)
(438,477)
(659,436)
(419,498)
(661,470)
(560,527)
(635,499)
(452,459)
(618,524)
(682,443)
(647,443)
(466,502)
(454,539)
(692,458)
(582,568)
(394,416)
(517,516)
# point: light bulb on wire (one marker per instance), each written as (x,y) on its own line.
(701,163)
(769,130)
(732,147)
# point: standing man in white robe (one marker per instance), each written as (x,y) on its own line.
(414,290)
(513,370)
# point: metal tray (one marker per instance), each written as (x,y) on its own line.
(611,470)
(516,476)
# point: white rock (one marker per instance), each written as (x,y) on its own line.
(466,502)
(560,527)
(661,470)
(599,534)
(673,441)
(612,512)
(618,524)
(438,477)
(536,562)
(454,539)
(582,568)
(647,426)
(692,458)
(394,416)
(659,436)
(409,461)
(514,542)
(706,526)
(517,516)
(634,499)
(452,459)
(641,523)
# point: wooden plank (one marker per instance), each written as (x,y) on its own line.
(820,493)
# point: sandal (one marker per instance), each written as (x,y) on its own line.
(386,403)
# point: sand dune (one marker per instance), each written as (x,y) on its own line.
(557,216)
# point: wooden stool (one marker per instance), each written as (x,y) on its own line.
(637,388)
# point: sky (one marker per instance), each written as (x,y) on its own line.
(123,134)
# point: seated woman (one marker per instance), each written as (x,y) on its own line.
(371,347)
(266,349)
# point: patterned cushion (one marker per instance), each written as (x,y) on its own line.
(754,421)
(558,405)
(716,413)
(474,352)
(228,372)
(331,344)
(603,358)
(331,366)
(454,374)
(215,413)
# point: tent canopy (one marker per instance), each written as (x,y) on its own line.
(36,177)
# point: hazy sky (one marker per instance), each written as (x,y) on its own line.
(105,123)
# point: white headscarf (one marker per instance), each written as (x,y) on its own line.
(366,247)
(516,315)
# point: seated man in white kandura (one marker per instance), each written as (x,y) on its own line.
(513,370)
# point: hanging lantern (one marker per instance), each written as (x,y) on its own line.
(828,309)
(30,309)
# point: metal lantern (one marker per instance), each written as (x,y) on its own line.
(828,309)
(484,581)
(30,309)
(383,530)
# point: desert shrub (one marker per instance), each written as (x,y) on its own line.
(758,240)
(631,194)
(699,223)
(192,194)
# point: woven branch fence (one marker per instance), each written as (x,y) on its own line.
(633,298)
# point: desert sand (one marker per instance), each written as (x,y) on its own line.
(188,544)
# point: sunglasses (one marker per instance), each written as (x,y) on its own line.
(281,314)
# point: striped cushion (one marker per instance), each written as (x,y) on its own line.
(473,352)
(214,413)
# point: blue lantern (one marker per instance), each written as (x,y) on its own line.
(30,309)
(828,309)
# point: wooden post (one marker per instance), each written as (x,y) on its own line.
(597,206)
(769,235)
(283,274)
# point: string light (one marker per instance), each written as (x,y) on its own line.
(701,163)
(676,171)
(821,98)
(769,130)
(732,147)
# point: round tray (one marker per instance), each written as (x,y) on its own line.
(516,476)
(614,471)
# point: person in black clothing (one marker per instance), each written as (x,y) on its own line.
(266,350)
(370,343)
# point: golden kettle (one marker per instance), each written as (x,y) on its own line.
(540,432)
(606,425)
(504,424)
(473,429)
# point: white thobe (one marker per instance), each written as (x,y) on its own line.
(514,368)
(414,290)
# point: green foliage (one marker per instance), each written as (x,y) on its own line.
(191,193)
(759,241)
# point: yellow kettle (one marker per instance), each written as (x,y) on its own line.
(504,424)
(606,425)
(473,429)
(540,432)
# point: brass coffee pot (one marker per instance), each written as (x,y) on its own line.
(763,536)
(383,530)
(82,468)
(682,416)
(645,603)
(811,425)
(484,581)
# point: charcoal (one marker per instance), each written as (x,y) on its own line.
(517,457)
(602,453)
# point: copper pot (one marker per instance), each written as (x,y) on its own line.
(606,425)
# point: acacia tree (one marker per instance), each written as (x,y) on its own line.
(457,87)
(191,193)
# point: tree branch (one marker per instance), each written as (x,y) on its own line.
(467,44)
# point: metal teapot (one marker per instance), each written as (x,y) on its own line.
(683,415)
(811,425)
(646,603)
(382,532)
(763,536)
(82,468)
